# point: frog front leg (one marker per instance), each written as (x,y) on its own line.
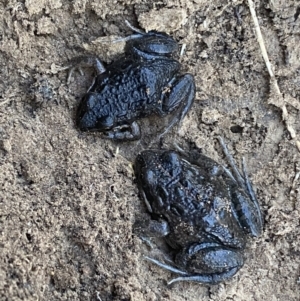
(147,228)
(208,263)
(124,132)
(179,96)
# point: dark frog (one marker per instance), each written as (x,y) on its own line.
(144,81)
(203,212)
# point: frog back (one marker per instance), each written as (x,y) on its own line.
(131,89)
(199,210)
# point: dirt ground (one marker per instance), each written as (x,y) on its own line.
(69,199)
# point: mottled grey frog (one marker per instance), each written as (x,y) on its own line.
(144,81)
(205,213)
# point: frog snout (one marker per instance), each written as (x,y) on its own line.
(140,163)
(87,119)
(145,161)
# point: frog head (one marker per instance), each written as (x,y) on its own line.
(89,118)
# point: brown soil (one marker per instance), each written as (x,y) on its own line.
(69,200)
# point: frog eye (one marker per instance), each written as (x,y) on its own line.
(170,156)
(150,178)
(171,162)
(91,100)
(203,211)
(222,214)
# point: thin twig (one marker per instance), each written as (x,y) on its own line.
(271,73)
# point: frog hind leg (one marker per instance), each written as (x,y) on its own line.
(181,97)
(208,263)
(245,206)
(125,132)
(201,278)
(246,212)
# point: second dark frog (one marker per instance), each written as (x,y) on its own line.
(144,81)
(204,213)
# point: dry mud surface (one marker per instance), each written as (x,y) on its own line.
(69,200)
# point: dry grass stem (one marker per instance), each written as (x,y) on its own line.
(281,101)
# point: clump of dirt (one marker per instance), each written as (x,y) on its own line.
(69,199)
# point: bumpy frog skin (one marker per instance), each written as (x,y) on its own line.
(144,81)
(206,214)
